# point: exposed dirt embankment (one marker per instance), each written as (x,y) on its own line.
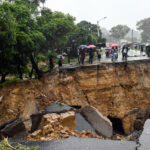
(113,89)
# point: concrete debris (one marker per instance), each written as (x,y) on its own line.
(59,126)
(144,138)
(58,107)
(13,128)
(100,123)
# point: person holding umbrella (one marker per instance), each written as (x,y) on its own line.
(81,53)
(91,53)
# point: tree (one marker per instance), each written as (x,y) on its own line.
(7,40)
(144,27)
(86,33)
(119,32)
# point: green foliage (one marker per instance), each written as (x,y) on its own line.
(6,145)
(144,26)
(119,31)
(86,34)
(29,35)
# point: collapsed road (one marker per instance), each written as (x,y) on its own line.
(112,89)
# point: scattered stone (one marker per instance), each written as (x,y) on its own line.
(13,128)
(101,124)
(58,107)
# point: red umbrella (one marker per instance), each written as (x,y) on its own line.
(91,46)
(115,45)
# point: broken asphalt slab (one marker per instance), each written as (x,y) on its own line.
(82,124)
(58,107)
(74,143)
(144,139)
(100,123)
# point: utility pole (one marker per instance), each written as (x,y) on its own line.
(98,26)
(132,35)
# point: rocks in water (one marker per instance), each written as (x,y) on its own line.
(58,107)
(101,124)
(13,128)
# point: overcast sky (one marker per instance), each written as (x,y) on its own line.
(126,12)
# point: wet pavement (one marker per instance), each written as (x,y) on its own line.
(132,56)
(74,143)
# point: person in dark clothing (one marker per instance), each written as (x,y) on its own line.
(60,62)
(51,62)
(82,56)
(125,52)
(99,54)
(91,54)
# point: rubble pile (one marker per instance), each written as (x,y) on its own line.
(59,126)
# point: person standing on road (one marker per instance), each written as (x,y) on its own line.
(124,52)
(91,54)
(99,54)
(82,56)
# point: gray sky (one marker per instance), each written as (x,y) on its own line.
(126,12)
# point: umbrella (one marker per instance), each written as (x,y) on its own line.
(114,45)
(58,56)
(82,47)
(91,46)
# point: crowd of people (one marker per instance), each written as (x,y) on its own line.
(111,52)
(82,54)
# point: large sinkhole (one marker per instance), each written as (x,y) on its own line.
(117,124)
